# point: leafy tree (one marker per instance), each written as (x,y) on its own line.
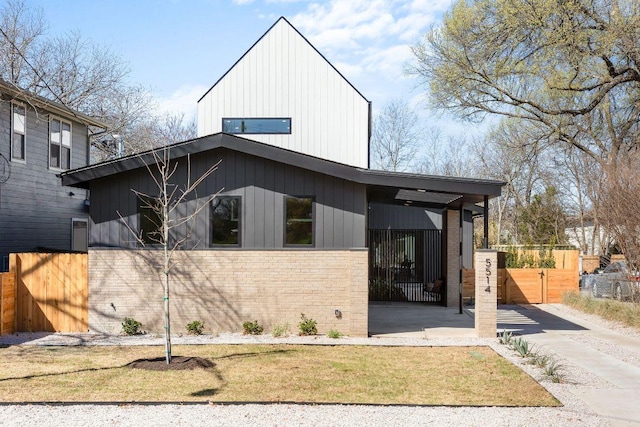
(543,221)
(570,67)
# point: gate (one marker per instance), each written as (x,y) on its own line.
(403,264)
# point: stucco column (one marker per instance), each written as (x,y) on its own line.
(453,258)
(486,310)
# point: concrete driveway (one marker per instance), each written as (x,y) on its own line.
(546,326)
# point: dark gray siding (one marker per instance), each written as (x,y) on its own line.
(397,217)
(35,210)
(340,205)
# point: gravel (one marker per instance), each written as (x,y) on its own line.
(574,411)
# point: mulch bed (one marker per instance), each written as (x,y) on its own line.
(178,363)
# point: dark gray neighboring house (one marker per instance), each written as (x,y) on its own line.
(38,140)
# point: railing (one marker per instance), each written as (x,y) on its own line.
(403,264)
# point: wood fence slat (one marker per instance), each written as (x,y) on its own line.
(7,303)
(51,292)
(526,286)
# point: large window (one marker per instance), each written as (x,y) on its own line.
(299,221)
(150,221)
(225,221)
(18,141)
(262,125)
(59,144)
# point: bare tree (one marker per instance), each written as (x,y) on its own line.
(167,217)
(449,156)
(72,71)
(396,137)
(21,29)
(621,206)
(511,152)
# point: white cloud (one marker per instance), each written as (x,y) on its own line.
(241,2)
(368,38)
(389,61)
(184,100)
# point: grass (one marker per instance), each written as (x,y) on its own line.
(271,373)
(626,313)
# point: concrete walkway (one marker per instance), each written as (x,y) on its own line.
(549,327)
(545,326)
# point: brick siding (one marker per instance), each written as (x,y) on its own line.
(226,288)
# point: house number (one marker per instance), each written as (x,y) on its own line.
(487,270)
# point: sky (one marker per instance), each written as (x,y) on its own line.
(180,48)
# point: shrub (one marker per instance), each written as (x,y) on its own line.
(541,360)
(307,326)
(252,328)
(332,333)
(382,289)
(130,326)
(195,328)
(280,329)
(553,370)
(505,337)
(521,346)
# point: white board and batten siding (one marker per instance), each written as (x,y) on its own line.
(284,76)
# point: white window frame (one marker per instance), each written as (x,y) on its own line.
(61,143)
(23,133)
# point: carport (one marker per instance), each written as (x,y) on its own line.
(420,232)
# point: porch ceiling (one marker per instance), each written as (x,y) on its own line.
(421,197)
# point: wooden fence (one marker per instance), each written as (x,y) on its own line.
(7,303)
(526,285)
(51,292)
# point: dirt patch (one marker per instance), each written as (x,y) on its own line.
(178,363)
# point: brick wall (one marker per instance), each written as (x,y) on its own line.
(453,258)
(486,284)
(227,288)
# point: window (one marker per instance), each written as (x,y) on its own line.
(225,221)
(18,143)
(79,235)
(59,144)
(263,125)
(150,221)
(299,221)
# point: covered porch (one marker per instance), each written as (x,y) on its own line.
(420,235)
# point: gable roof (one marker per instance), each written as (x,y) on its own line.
(46,104)
(386,187)
(283,20)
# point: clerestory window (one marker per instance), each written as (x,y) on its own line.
(256,125)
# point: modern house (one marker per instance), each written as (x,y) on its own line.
(38,140)
(299,223)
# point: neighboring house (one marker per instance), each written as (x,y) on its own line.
(587,239)
(38,140)
(301,224)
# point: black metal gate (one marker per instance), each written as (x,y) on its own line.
(404,264)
